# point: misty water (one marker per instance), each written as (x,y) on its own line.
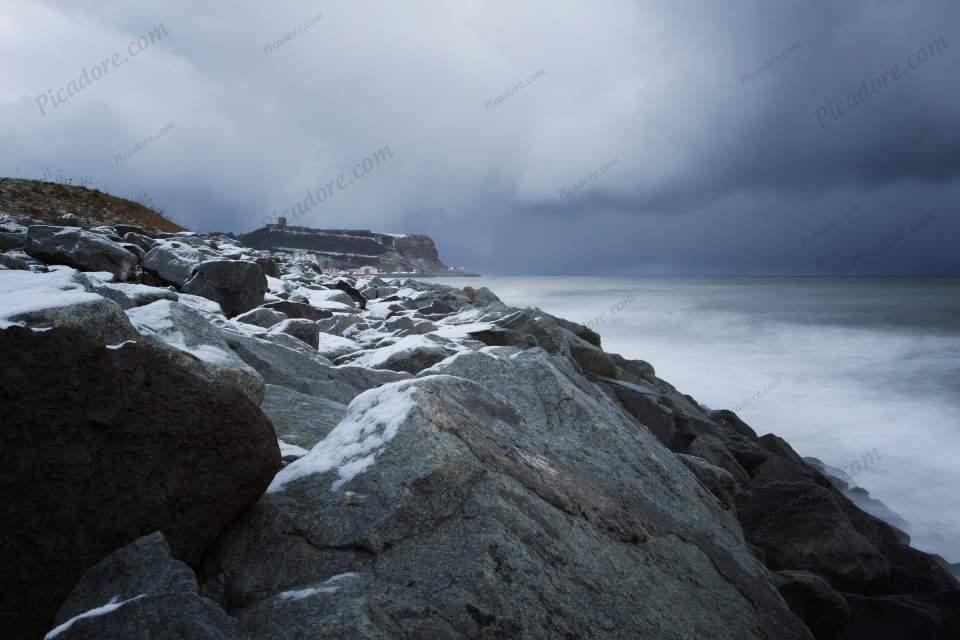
(863,373)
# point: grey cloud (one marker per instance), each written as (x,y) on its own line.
(714,174)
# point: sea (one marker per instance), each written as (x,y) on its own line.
(862,373)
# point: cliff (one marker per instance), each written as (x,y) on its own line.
(349,249)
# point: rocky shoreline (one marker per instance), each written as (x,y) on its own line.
(205,440)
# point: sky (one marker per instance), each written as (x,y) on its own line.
(616,137)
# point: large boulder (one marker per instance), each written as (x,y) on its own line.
(351,291)
(61,298)
(520,504)
(238,285)
(411,354)
(101,445)
(191,340)
(78,248)
(174,260)
(298,310)
(141,592)
(300,328)
(261,317)
(812,598)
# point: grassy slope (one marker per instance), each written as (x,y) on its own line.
(47,201)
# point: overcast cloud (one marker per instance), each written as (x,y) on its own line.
(725,162)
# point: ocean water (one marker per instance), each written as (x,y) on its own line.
(863,373)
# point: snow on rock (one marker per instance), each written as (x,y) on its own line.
(411,354)
(461,331)
(25,292)
(205,306)
(332,299)
(329,586)
(332,346)
(372,420)
(290,450)
(114,604)
(162,320)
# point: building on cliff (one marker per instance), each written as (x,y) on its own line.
(356,250)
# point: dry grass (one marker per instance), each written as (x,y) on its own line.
(47,201)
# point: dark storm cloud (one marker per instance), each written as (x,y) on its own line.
(714,173)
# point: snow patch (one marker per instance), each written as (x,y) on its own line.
(329,586)
(373,418)
(382,356)
(461,331)
(287,449)
(114,604)
(25,292)
(156,319)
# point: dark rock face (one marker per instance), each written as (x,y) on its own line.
(798,520)
(103,445)
(237,285)
(78,248)
(141,592)
(269,267)
(815,602)
(931,617)
(351,291)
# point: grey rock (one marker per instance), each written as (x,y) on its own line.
(299,418)
(70,220)
(338,323)
(591,358)
(719,481)
(261,317)
(298,310)
(300,328)
(651,408)
(177,616)
(411,354)
(140,240)
(143,567)
(804,526)
(127,295)
(174,260)
(134,249)
(269,267)
(97,317)
(12,261)
(534,503)
(309,374)
(187,337)
(123,229)
(78,248)
(149,595)
(814,601)
(237,285)
(436,308)
(12,240)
